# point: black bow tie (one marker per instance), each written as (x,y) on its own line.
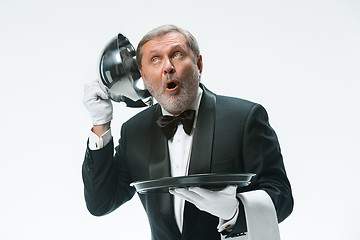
(169,124)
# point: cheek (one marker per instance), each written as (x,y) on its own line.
(189,70)
(152,74)
(187,66)
(152,80)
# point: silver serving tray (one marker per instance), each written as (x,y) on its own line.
(213,181)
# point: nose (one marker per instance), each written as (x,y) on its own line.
(168,67)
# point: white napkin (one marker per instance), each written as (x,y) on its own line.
(261,219)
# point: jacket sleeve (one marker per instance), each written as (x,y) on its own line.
(106,179)
(262,156)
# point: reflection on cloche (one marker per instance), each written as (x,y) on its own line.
(120,76)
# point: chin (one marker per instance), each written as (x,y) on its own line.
(176,104)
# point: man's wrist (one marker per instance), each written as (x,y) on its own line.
(96,142)
(99,130)
(237,209)
(228,224)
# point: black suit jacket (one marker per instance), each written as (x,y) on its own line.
(232,136)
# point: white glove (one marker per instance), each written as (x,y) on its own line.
(222,204)
(97,103)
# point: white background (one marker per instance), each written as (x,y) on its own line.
(300,59)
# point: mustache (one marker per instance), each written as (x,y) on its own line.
(168,78)
(171,77)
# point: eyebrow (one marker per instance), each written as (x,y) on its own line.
(175,46)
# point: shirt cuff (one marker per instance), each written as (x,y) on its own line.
(96,142)
(228,225)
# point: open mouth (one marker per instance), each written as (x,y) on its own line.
(171,85)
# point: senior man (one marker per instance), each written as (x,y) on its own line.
(212,134)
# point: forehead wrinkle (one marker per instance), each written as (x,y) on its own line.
(159,44)
(171,47)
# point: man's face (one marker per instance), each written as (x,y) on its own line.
(171,72)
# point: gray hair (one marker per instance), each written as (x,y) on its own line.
(163,30)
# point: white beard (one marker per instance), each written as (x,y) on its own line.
(181,101)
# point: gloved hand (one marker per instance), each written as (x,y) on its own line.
(222,204)
(97,103)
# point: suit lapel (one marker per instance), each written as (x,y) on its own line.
(201,153)
(201,157)
(159,158)
(159,167)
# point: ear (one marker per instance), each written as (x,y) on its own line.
(200,64)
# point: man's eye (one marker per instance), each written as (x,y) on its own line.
(155,60)
(176,55)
